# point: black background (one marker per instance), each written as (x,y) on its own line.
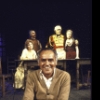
(17,18)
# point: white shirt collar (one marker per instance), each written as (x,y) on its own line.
(42,75)
(47,81)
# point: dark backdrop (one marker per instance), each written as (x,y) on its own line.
(17,18)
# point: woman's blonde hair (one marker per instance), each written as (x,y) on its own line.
(27,42)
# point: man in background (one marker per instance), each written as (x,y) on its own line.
(36,43)
(56,41)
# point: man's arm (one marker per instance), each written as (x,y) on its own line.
(65,87)
(40,46)
(77,52)
(29,89)
(51,41)
(77,49)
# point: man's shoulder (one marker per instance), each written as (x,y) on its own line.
(62,35)
(62,72)
(53,35)
(34,72)
(28,39)
(32,39)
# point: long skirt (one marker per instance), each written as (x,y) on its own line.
(19,77)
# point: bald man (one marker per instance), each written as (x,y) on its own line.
(48,82)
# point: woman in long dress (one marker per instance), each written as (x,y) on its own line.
(72,52)
(28,53)
(71,46)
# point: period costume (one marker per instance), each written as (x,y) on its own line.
(37,88)
(70,49)
(36,43)
(19,77)
(19,74)
(57,43)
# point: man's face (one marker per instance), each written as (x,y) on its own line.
(33,34)
(47,62)
(58,31)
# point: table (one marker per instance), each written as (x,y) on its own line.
(82,61)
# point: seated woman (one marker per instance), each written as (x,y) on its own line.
(28,53)
(71,46)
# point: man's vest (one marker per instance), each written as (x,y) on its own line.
(57,41)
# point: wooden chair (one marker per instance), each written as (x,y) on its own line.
(11,64)
(3,78)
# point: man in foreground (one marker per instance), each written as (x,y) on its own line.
(48,82)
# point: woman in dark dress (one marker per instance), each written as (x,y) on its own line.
(71,46)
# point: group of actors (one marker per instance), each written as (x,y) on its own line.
(66,47)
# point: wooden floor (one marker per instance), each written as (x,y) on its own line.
(83,94)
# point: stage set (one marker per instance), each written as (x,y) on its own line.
(26,28)
(63,64)
(82,90)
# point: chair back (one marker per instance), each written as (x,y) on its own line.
(11,64)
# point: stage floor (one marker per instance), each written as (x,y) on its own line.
(11,94)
